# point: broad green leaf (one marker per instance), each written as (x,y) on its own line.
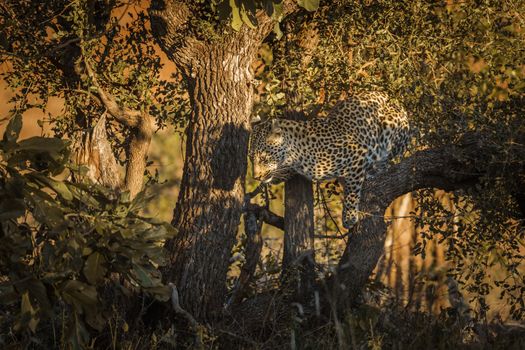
(82,193)
(248,13)
(12,130)
(86,251)
(79,295)
(50,145)
(58,186)
(94,268)
(157,233)
(309,5)
(268,7)
(145,276)
(38,292)
(162,293)
(47,212)
(248,18)
(236,16)
(80,170)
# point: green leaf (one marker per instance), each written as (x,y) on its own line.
(47,212)
(248,18)
(38,292)
(268,7)
(51,145)
(80,295)
(94,268)
(12,130)
(145,276)
(162,293)
(58,186)
(248,13)
(309,5)
(236,16)
(82,193)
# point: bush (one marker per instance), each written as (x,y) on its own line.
(62,243)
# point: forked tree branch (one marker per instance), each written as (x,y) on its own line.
(171,22)
(141,126)
(266,215)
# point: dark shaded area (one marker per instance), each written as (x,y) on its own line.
(229,158)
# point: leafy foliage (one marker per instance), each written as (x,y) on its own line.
(62,244)
(457,67)
(44,45)
(237,13)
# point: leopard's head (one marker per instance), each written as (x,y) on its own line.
(267,150)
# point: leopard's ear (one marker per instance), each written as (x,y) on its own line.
(255,120)
(276,127)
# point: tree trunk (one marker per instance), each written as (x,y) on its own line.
(218,75)
(298,252)
(208,209)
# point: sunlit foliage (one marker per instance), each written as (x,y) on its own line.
(458,67)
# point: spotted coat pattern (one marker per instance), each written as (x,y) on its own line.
(361,132)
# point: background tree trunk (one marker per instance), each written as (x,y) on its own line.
(298,252)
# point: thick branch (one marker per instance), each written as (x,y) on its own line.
(141,126)
(299,251)
(450,168)
(170,24)
(265,215)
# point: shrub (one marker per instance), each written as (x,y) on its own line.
(63,242)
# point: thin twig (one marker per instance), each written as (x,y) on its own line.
(179,310)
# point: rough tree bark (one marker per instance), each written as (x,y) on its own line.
(298,251)
(97,154)
(218,75)
(451,167)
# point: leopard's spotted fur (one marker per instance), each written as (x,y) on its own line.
(363,130)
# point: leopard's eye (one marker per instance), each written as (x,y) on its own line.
(264,158)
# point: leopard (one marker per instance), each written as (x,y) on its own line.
(359,136)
